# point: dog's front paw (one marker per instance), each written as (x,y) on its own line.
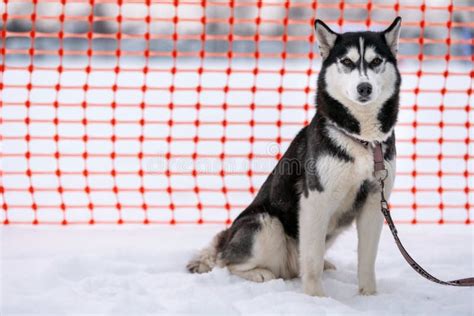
(368,290)
(367,284)
(314,288)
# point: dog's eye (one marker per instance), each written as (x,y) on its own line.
(347,62)
(376,61)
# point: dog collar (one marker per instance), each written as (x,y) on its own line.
(379,164)
(364,143)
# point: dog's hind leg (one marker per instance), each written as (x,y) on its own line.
(259,250)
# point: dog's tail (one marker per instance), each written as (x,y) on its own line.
(206,259)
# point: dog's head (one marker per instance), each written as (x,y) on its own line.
(360,72)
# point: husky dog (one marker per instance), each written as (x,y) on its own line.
(325,180)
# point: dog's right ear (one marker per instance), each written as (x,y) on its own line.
(325,36)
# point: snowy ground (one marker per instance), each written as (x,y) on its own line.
(138,270)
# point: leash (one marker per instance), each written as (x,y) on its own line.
(379,166)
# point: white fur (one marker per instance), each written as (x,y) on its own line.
(370,54)
(320,211)
(254,275)
(312,232)
(272,251)
(343,87)
(369,226)
(353,54)
(274,255)
(318,218)
(325,38)
(392,37)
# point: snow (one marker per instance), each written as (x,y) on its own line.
(141,270)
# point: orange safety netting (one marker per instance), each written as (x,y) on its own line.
(175,111)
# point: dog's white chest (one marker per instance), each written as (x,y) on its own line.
(364,166)
(341,176)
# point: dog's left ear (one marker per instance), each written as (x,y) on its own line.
(392,35)
(325,36)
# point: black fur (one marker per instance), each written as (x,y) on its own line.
(334,110)
(235,244)
(389,148)
(388,113)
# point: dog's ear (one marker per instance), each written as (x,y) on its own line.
(325,36)
(392,35)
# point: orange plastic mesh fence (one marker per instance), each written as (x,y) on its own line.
(176,111)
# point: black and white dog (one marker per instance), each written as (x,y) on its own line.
(325,180)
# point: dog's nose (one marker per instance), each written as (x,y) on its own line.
(364,89)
